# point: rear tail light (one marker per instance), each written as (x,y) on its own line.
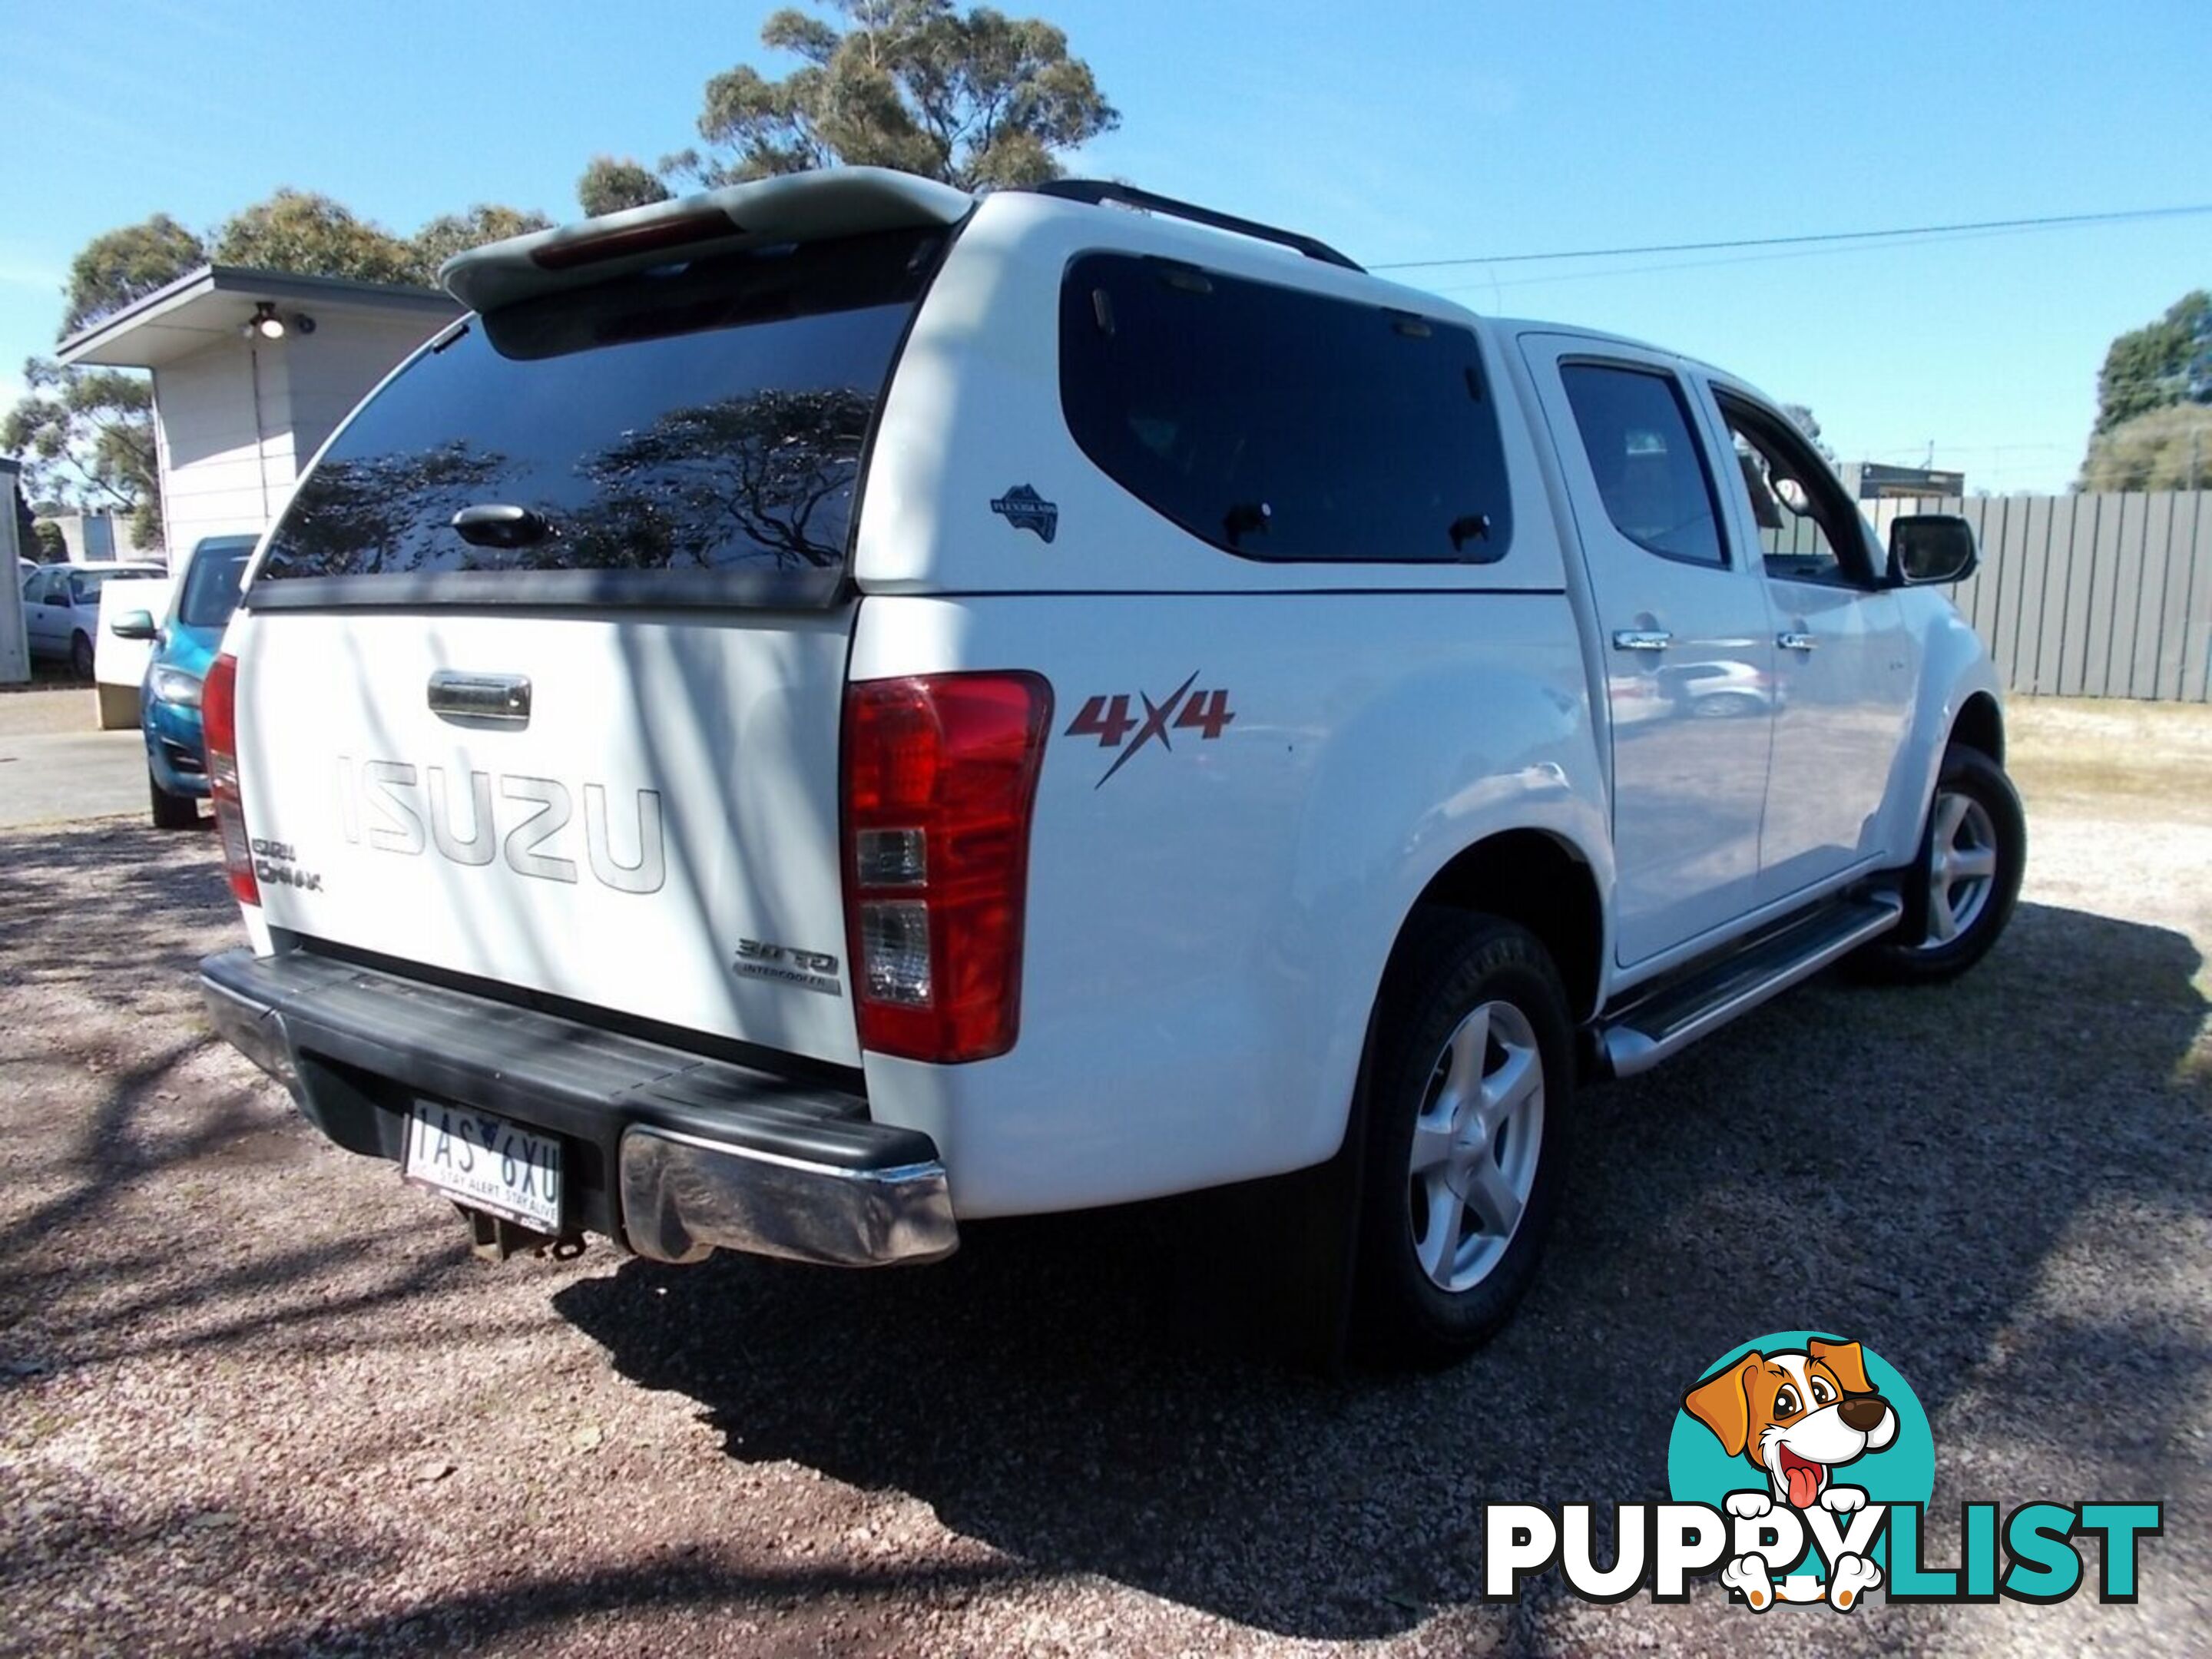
(219,730)
(941,776)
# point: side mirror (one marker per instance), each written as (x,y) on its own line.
(1930,549)
(133,625)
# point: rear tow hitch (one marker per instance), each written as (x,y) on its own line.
(495,1238)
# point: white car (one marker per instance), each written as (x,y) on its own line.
(61,609)
(832,710)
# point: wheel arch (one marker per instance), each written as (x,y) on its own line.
(1980,724)
(1539,881)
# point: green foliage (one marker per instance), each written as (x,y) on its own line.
(456,233)
(125,265)
(2163,364)
(978,100)
(310,234)
(86,435)
(2168,449)
(47,545)
(609,185)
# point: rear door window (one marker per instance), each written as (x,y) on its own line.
(1277,423)
(669,437)
(1651,472)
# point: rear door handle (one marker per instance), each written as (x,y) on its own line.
(1641,639)
(503,697)
(1794,641)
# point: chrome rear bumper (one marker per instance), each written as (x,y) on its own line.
(682,1197)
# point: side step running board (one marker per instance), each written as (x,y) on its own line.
(1638,1037)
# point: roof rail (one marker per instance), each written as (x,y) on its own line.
(1106,190)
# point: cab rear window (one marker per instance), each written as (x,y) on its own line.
(694,434)
(1277,423)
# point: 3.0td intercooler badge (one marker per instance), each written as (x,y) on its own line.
(1801,1467)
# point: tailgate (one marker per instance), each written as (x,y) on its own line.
(659,836)
(541,674)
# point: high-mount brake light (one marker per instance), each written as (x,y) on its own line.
(219,729)
(941,782)
(657,236)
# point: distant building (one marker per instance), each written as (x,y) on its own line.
(1868,481)
(97,538)
(252,370)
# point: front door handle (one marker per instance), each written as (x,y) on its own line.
(1795,641)
(1641,639)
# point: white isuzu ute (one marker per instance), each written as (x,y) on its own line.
(831,709)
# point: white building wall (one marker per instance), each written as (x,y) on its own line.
(226,446)
(228,463)
(97,538)
(339,364)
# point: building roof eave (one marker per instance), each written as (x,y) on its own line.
(203,305)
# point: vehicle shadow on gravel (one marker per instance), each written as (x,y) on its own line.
(164,898)
(1942,1173)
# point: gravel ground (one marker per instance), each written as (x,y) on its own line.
(255,1397)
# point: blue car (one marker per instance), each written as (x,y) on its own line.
(169,700)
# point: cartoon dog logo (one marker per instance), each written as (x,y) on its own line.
(1796,1416)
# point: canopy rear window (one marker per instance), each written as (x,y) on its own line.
(693,434)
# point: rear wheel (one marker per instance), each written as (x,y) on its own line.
(80,655)
(1960,892)
(1468,1099)
(172,812)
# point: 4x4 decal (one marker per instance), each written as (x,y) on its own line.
(1107,718)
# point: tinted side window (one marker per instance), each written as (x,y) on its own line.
(1650,473)
(1278,424)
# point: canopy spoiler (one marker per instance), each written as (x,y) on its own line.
(800,207)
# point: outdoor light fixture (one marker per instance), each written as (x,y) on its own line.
(266,322)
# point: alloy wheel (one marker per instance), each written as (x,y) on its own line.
(1475,1146)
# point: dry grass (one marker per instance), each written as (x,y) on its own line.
(2125,759)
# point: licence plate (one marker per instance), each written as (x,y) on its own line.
(486,1161)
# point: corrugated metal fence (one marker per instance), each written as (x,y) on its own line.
(2090,595)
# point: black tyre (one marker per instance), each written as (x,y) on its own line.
(1469,1096)
(80,655)
(172,812)
(1960,892)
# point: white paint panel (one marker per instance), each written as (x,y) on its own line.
(1206,930)
(720,728)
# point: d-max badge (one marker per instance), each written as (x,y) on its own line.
(1023,508)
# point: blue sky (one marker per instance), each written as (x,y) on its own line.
(1396,131)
